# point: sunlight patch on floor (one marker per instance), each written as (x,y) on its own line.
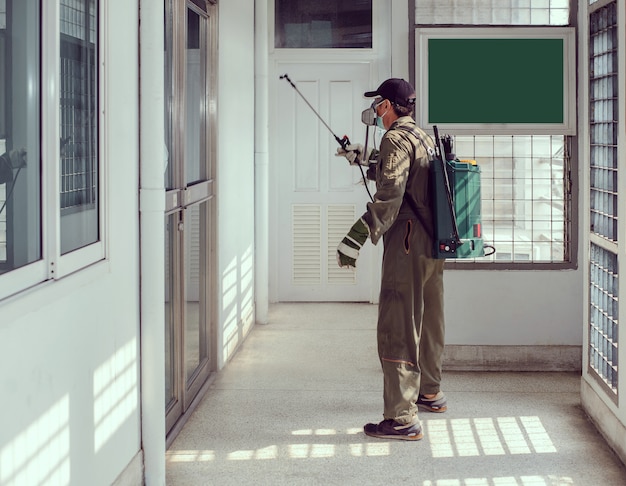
(447,438)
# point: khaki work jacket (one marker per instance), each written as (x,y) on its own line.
(402,172)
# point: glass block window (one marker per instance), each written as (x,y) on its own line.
(492,12)
(323,24)
(525,211)
(603,87)
(603,315)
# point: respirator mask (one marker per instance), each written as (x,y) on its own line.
(368,116)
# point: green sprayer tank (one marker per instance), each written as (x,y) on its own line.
(461,203)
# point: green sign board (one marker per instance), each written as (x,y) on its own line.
(496,80)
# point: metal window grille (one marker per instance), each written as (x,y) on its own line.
(524,180)
(603,315)
(78,104)
(603,86)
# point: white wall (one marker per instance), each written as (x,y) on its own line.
(235,174)
(513,307)
(69,349)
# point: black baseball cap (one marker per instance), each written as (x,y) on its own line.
(396,90)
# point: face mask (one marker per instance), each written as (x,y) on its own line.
(379,122)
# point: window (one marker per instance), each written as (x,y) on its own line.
(498,12)
(526,187)
(20,146)
(604,199)
(603,315)
(603,86)
(79,125)
(50,174)
(525,215)
(323,24)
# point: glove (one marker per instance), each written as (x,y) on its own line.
(13,159)
(16,158)
(348,249)
(352,153)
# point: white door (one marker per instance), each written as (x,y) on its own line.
(316,195)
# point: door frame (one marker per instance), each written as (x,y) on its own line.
(385,14)
(184,195)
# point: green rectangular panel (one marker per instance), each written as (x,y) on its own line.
(481,80)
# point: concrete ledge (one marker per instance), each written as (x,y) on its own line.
(604,419)
(132,475)
(512,358)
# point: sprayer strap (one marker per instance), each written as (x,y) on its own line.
(430,150)
(431,154)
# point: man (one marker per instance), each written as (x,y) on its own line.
(410,316)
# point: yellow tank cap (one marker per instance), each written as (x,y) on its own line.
(468,161)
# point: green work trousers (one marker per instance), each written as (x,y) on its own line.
(410,319)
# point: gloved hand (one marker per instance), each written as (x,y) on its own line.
(353,152)
(16,158)
(13,159)
(348,249)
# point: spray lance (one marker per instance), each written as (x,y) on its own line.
(343,142)
(444,156)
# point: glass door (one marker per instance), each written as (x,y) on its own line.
(190,207)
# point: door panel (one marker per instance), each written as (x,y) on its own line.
(190,202)
(319,196)
(173,398)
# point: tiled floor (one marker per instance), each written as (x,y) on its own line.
(290,407)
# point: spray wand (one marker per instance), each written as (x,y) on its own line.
(343,142)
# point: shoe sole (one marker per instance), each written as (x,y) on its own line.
(430,409)
(396,437)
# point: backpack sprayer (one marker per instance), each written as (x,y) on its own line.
(455,189)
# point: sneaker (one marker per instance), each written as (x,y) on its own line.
(436,404)
(390,429)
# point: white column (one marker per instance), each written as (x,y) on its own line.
(401,22)
(261,179)
(152,232)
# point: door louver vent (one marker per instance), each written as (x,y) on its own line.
(307,241)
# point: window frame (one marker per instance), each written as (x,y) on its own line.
(485,32)
(570,241)
(53,265)
(595,239)
(571,177)
(378,42)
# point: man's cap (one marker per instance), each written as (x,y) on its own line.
(396,90)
